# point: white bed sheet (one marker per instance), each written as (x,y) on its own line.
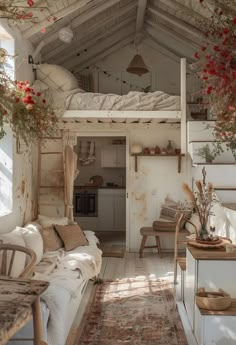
(139,101)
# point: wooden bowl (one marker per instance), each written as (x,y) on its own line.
(209,300)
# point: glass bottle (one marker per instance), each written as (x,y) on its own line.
(169,148)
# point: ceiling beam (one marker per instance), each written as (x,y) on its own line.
(150,32)
(81,19)
(100,47)
(182,9)
(180,54)
(60,14)
(176,22)
(142,5)
(81,34)
(109,51)
(149,41)
(172,33)
(80,46)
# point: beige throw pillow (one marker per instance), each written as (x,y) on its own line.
(51,241)
(71,235)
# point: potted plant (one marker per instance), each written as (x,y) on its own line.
(207,153)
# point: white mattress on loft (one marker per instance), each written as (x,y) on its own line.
(132,101)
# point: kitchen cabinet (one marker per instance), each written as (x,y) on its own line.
(113,156)
(111,210)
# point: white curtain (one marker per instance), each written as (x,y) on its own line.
(70,174)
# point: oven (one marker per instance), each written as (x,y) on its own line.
(85,202)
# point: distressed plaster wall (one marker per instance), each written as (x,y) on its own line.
(23,180)
(157,177)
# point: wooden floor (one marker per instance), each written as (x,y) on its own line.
(150,266)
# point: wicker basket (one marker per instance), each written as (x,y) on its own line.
(219,300)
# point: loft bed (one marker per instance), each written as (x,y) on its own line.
(81,107)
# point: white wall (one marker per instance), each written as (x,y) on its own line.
(23,181)
(157,177)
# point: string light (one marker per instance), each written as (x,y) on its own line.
(110,75)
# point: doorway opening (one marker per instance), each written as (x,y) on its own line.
(100,190)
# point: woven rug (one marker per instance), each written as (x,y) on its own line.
(112,250)
(131,312)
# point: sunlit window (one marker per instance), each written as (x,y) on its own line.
(6,143)
(6,171)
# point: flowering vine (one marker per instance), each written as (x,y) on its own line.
(23,11)
(216,67)
(26,111)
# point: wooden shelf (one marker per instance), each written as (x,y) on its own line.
(196,163)
(136,155)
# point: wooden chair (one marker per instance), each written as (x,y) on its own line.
(178,231)
(8,252)
(8,255)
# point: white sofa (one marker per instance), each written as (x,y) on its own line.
(68,274)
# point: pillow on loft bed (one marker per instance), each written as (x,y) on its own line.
(56,77)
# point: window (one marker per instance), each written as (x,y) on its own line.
(6,172)
(6,143)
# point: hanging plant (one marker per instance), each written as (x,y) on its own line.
(26,111)
(216,67)
(23,11)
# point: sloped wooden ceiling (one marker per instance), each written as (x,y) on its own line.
(101,27)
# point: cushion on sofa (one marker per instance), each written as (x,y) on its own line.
(51,241)
(71,235)
(15,237)
(33,239)
(56,77)
(46,221)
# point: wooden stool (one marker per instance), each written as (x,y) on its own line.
(145,232)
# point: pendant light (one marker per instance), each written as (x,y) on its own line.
(65,35)
(137,66)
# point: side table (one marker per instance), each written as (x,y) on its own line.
(19,301)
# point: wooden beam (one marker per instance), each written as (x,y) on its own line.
(92,30)
(171,44)
(83,18)
(80,47)
(60,14)
(121,114)
(176,22)
(176,35)
(119,45)
(101,46)
(142,5)
(151,42)
(151,33)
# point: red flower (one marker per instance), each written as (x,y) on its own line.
(225,31)
(217,48)
(30,3)
(38,94)
(44,100)
(203,48)
(234,20)
(17,99)
(196,55)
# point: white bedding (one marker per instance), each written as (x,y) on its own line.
(78,100)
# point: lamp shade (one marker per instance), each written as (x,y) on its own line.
(65,35)
(137,66)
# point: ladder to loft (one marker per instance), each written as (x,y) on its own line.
(51,179)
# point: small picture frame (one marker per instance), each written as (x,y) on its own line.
(21,146)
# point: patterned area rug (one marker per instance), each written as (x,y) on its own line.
(131,312)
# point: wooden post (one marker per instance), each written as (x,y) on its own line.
(183,105)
